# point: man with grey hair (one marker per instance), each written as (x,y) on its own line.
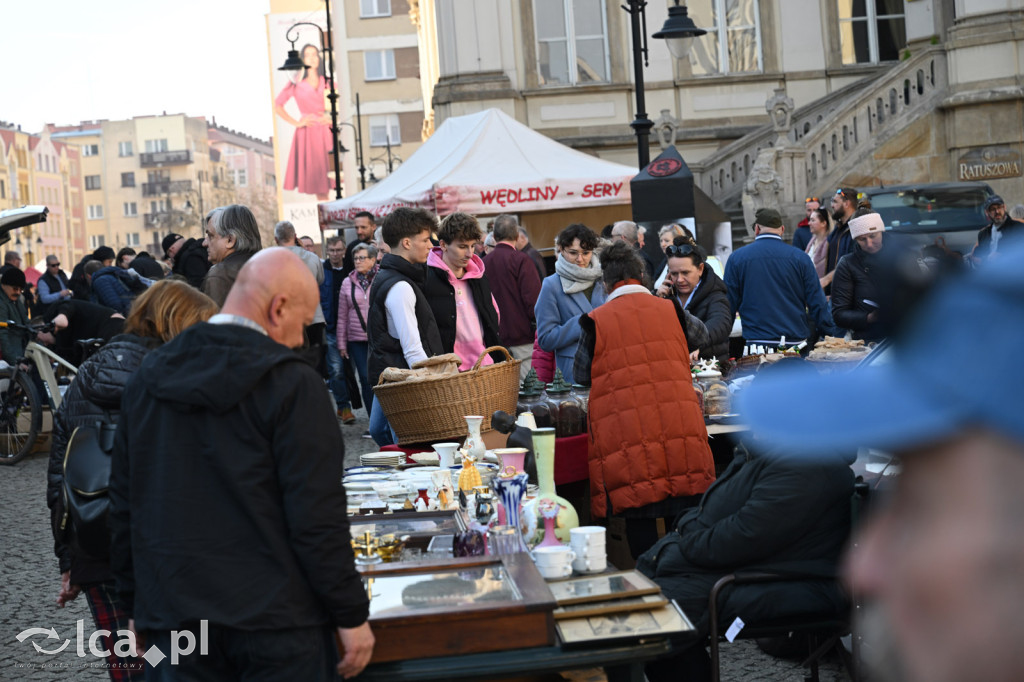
(515,286)
(313,351)
(232,237)
(627,231)
(523,244)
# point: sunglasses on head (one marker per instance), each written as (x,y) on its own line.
(683,250)
(816,199)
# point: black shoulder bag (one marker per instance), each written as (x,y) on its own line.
(87,464)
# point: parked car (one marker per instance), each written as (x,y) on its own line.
(14,218)
(924,212)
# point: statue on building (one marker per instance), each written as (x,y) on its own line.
(763,187)
(780,107)
(666,127)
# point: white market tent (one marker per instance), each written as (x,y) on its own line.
(489,163)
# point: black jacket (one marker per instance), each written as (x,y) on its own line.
(94,396)
(79,285)
(1009,229)
(710,305)
(385,350)
(441,299)
(191,262)
(852,286)
(226,503)
(763,513)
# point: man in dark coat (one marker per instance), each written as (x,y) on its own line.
(523,244)
(365,227)
(767,513)
(188,258)
(229,446)
(77,321)
(1000,226)
(516,288)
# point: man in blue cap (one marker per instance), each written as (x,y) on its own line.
(1000,227)
(942,564)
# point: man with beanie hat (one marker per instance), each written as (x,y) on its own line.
(187,257)
(12,308)
(939,568)
(771,285)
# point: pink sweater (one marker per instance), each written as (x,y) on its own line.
(348,328)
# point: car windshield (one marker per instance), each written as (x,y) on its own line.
(928,210)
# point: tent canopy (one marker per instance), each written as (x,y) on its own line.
(488,163)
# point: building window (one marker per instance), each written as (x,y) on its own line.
(380,65)
(95,211)
(130,209)
(92,182)
(871,31)
(572,41)
(91,150)
(268,180)
(96,241)
(383,128)
(3,190)
(132,239)
(374,8)
(153,146)
(128,179)
(124,148)
(158,206)
(241,180)
(733,42)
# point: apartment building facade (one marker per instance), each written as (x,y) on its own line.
(248,165)
(146,177)
(34,169)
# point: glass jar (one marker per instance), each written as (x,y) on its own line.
(566,411)
(582,395)
(528,401)
(717,397)
(699,390)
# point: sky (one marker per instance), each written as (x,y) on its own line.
(115,59)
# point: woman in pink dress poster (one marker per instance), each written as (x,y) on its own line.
(307,168)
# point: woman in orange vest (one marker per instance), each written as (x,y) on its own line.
(649,456)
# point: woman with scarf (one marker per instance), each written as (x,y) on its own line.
(574,290)
(855,291)
(648,456)
(353,311)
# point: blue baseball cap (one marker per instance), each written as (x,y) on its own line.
(959,365)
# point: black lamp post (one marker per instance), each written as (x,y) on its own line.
(294,63)
(358,130)
(679,31)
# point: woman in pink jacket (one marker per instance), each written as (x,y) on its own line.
(353,311)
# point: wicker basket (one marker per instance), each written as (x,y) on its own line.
(434,409)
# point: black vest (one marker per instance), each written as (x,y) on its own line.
(441,298)
(386,350)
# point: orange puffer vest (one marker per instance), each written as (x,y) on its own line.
(648,441)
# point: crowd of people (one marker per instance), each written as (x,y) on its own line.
(202,378)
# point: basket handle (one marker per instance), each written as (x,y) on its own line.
(488,351)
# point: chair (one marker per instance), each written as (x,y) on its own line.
(823,631)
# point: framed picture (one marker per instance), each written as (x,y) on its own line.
(600,608)
(603,587)
(666,621)
(421,524)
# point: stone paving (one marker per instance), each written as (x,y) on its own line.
(29,583)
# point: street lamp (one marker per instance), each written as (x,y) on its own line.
(358,130)
(679,31)
(294,63)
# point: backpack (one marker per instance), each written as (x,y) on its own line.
(87,464)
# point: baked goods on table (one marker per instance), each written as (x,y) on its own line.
(834,349)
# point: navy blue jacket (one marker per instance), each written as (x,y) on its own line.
(115,288)
(771,285)
(329,294)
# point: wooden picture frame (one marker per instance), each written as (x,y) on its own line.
(600,608)
(666,621)
(602,587)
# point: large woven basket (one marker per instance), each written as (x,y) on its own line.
(434,409)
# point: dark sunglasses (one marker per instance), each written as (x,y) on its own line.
(53,265)
(682,250)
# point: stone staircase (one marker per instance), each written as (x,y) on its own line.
(823,142)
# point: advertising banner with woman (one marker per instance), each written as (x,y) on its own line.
(302,124)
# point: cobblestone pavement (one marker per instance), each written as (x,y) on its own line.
(29,583)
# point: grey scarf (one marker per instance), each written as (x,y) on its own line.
(576,279)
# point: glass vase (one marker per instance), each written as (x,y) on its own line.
(567,518)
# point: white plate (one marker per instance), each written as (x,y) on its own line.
(367,477)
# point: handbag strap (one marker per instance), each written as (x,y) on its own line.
(359,313)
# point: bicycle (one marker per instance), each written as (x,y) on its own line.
(21,411)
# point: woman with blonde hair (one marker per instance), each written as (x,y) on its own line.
(158,315)
(666,237)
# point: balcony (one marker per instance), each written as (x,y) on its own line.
(163,187)
(175,158)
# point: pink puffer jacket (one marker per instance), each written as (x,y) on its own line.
(349,328)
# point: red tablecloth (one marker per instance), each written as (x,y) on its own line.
(570,458)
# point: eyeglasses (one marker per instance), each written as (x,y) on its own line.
(54,265)
(573,253)
(356,259)
(810,199)
(680,250)
(841,193)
